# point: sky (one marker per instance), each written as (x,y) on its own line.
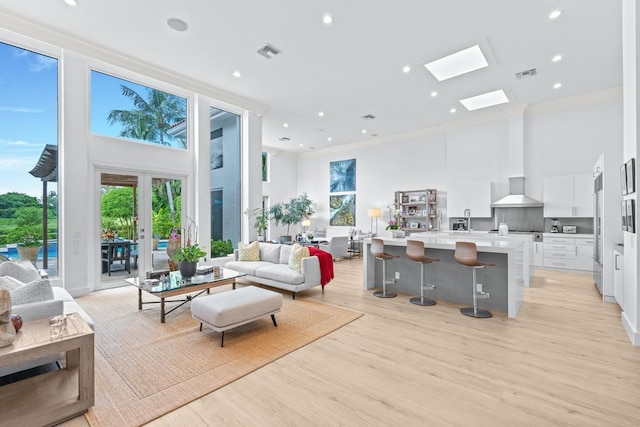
(29,113)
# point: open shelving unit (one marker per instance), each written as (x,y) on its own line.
(419,210)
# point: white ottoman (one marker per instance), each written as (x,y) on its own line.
(230,309)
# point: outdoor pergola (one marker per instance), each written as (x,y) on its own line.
(47,170)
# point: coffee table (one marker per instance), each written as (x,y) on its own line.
(56,396)
(199,283)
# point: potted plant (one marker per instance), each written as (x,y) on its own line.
(291,212)
(262,217)
(28,240)
(188,256)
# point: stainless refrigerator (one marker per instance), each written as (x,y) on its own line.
(597,231)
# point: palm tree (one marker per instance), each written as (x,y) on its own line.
(151,118)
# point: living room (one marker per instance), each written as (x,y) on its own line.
(562,136)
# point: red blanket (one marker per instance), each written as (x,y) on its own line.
(326,264)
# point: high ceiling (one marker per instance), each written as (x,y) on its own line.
(353,67)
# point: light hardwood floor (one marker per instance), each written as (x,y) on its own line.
(565,360)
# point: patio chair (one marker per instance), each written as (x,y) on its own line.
(116,257)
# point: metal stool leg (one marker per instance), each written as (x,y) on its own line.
(383,293)
(474,311)
(422,300)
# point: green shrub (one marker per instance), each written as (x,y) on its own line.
(221,248)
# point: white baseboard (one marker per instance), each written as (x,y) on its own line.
(633,334)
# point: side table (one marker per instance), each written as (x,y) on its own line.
(56,396)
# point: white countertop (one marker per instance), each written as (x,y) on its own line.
(581,236)
(486,242)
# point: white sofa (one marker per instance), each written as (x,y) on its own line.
(33,297)
(273,269)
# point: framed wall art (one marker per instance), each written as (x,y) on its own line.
(631,215)
(623,179)
(623,211)
(631,176)
(342,176)
(342,210)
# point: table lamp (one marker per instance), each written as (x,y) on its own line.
(374,213)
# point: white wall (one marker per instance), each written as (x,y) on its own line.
(281,187)
(630,46)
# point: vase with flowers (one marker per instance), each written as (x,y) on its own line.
(394,222)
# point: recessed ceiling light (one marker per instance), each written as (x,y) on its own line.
(177,24)
(554,14)
(406,69)
(485,100)
(557,85)
(301,145)
(329,139)
(327,19)
(286,125)
(364,131)
(434,93)
(71,2)
(557,58)
(321,114)
(458,63)
(453,110)
(237,74)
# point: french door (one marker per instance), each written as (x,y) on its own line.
(142,208)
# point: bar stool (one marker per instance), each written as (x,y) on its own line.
(467,254)
(377,250)
(415,252)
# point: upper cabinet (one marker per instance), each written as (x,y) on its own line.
(568,196)
(475,196)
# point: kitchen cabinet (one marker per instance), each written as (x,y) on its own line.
(569,196)
(571,253)
(618,275)
(538,254)
(475,196)
(584,254)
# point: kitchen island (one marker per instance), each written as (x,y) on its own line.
(505,281)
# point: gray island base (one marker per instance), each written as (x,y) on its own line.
(505,280)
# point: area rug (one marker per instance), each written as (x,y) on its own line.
(145,369)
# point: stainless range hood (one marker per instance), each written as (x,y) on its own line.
(516,197)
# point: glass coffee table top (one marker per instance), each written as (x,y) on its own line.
(158,286)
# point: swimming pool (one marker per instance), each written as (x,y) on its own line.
(12,251)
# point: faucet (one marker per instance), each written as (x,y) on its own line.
(467,215)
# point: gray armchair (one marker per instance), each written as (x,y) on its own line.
(338,246)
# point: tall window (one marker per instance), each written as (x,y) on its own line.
(120,108)
(28,156)
(265,166)
(226,211)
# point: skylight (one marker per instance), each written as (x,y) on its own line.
(485,100)
(458,63)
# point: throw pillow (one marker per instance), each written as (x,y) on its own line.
(247,252)
(38,290)
(297,253)
(20,271)
(9,283)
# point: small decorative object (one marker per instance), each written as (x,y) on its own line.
(172,246)
(397,234)
(16,319)
(503,229)
(7,330)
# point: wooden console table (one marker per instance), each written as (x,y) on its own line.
(56,396)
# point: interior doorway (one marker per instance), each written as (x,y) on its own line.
(138,213)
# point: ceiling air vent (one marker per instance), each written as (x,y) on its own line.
(268,51)
(527,73)
(368,117)
(284,139)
